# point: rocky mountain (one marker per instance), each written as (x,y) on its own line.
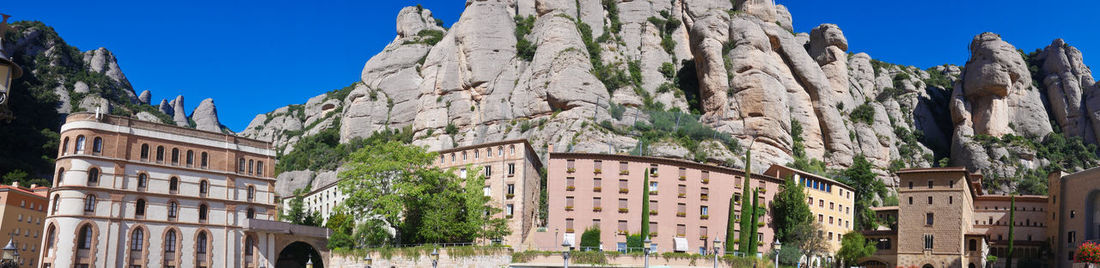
(705,80)
(59,79)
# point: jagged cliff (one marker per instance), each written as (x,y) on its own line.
(57,80)
(703,80)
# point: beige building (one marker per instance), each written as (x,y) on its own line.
(131,193)
(831,202)
(23,211)
(944,219)
(1074,211)
(511,170)
(688,201)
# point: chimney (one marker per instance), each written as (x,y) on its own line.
(15,183)
(34,185)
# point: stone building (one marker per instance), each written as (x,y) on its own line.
(1075,212)
(831,202)
(131,193)
(22,212)
(944,219)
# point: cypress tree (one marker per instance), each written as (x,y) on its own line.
(746,215)
(645,205)
(754,212)
(1011,230)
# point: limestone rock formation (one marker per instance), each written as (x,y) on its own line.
(206,116)
(103,61)
(145,97)
(997,91)
(178,115)
(1067,82)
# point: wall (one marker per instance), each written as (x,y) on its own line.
(445,260)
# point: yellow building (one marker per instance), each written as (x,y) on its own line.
(23,210)
(831,202)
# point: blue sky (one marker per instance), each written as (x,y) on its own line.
(253,57)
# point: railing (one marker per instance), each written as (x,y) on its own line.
(439,245)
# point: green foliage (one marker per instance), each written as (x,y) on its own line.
(616,110)
(425,204)
(451,129)
(668,69)
(323,151)
(937,79)
(799,148)
(341,94)
(747,214)
(612,9)
(427,36)
(524,48)
(790,209)
(1011,230)
(682,128)
(635,240)
(590,239)
(853,246)
(665,26)
(863,113)
(866,188)
(645,204)
(297,213)
(635,67)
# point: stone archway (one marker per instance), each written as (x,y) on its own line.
(928,266)
(873,264)
(296,254)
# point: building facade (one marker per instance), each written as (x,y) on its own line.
(830,202)
(944,219)
(131,193)
(688,201)
(23,211)
(1074,211)
(511,170)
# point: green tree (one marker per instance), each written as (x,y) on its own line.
(754,212)
(790,209)
(343,227)
(853,246)
(398,184)
(590,239)
(746,214)
(866,188)
(1011,230)
(645,204)
(297,213)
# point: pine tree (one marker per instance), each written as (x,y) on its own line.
(746,215)
(645,205)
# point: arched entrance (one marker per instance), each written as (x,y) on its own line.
(873,264)
(927,266)
(297,254)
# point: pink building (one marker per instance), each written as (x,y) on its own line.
(689,201)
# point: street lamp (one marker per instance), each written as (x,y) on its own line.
(8,71)
(309,262)
(565,246)
(647,243)
(435,258)
(368,260)
(777,246)
(717,249)
(10,252)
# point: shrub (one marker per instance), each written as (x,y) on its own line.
(428,37)
(451,129)
(668,69)
(1088,252)
(616,111)
(524,49)
(863,113)
(590,238)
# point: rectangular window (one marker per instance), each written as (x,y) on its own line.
(652,170)
(569,202)
(652,186)
(621,247)
(488,171)
(681,189)
(622,167)
(568,225)
(597,182)
(596,202)
(1072,235)
(821,203)
(703,210)
(596,223)
(702,231)
(652,206)
(830,219)
(681,230)
(462,173)
(597,165)
(622,185)
(622,226)
(683,172)
(622,203)
(569,182)
(509,209)
(653,227)
(681,208)
(928,242)
(704,193)
(831,205)
(929,218)
(511,169)
(511,189)
(929,200)
(950,199)
(571,164)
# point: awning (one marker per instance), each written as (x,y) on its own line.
(571,239)
(680,243)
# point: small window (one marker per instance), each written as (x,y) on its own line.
(240,165)
(203,160)
(203,211)
(928,242)
(144,152)
(143,181)
(251,214)
(84,241)
(173,207)
(251,192)
(259,168)
(139,208)
(929,200)
(251,163)
(929,184)
(190,158)
(929,218)
(89,203)
(204,187)
(910,200)
(175,156)
(80,144)
(97,145)
(910,185)
(173,184)
(160,153)
(65,146)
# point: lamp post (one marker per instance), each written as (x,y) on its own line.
(565,253)
(8,71)
(309,262)
(777,246)
(435,258)
(10,253)
(717,247)
(368,260)
(645,251)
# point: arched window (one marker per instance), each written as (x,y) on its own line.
(250,163)
(203,162)
(200,244)
(175,156)
(170,243)
(240,165)
(251,192)
(143,181)
(144,152)
(204,187)
(56,203)
(172,208)
(173,184)
(84,238)
(89,203)
(137,240)
(190,158)
(97,145)
(251,214)
(500,150)
(65,146)
(511,149)
(50,239)
(139,210)
(259,168)
(60,175)
(79,144)
(93,176)
(202,212)
(160,153)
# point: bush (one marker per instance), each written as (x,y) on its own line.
(524,49)
(427,37)
(590,239)
(1088,252)
(668,69)
(616,111)
(863,113)
(451,129)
